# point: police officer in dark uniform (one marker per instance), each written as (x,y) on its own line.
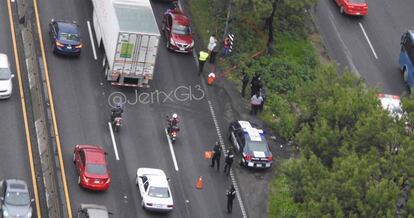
(216,155)
(231,194)
(229,161)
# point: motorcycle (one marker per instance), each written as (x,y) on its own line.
(172,133)
(117,123)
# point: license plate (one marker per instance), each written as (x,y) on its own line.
(69,47)
(181,49)
(158,205)
(96,181)
(358,13)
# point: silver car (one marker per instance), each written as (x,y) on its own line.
(6,85)
(15,199)
(92,211)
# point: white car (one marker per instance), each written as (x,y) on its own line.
(6,86)
(154,189)
(392,104)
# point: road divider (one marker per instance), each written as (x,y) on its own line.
(92,42)
(369,42)
(113,140)
(171,150)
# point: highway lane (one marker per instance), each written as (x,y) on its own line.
(346,42)
(13,146)
(81,103)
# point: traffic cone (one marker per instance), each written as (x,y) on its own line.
(211,78)
(200,183)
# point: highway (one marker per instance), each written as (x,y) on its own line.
(369,45)
(13,145)
(82,111)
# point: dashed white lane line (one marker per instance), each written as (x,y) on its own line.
(171,150)
(92,42)
(233,178)
(369,42)
(113,140)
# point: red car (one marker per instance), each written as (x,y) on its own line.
(353,7)
(91,166)
(177,31)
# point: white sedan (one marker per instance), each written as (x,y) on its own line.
(154,189)
(6,77)
(392,104)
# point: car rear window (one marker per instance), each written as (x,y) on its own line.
(257,146)
(96,169)
(357,1)
(158,192)
(181,30)
(69,36)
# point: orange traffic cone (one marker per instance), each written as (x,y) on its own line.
(200,183)
(211,78)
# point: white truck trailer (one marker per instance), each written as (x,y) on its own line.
(128,32)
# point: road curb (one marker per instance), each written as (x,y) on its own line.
(48,168)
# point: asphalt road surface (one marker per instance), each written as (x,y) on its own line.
(370,44)
(13,146)
(81,102)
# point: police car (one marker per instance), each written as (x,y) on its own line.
(250,141)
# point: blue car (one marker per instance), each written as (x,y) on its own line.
(65,37)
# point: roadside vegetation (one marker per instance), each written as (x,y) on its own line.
(355,160)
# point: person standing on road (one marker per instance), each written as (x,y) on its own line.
(231,194)
(202,58)
(216,155)
(229,161)
(255,102)
(212,43)
(226,46)
(245,81)
(256,84)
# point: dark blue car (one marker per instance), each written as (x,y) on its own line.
(65,37)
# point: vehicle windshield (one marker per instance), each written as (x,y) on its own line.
(17,198)
(395,110)
(181,30)
(4,74)
(98,169)
(158,192)
(258,146)
(69,36)
(357,1)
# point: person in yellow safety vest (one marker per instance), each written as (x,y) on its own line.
(202,58)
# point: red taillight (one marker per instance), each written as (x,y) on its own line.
(270,158)
(248,157)
(170,206)
(58,44)
(149,204)
(78,46)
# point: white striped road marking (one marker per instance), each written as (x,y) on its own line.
(92,42)
(369,42)
(233,178)
(113,140)
(171,150)
(346,50)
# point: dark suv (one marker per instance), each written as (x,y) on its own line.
(251,143)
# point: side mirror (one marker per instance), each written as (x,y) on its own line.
(110,213)
(2,198)
(53,20)
(32,200)
(168,179)
(12,76)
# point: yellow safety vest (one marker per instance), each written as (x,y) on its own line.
(203,56)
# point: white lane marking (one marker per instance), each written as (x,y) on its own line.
(369,42)
(92,42)
(113,141)
(232,176)
(171,150)
(347,52)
